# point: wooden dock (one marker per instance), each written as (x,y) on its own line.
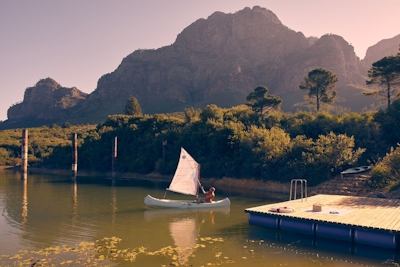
(372,221)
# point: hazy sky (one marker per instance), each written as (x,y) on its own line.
(75,42)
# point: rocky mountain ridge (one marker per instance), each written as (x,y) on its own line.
(217,60)
(383,48)
(45,101)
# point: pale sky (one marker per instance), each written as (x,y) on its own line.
(75,42)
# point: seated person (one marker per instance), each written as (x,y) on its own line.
(209,196)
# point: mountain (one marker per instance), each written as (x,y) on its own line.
(218,60)
(46,102)
(386,47)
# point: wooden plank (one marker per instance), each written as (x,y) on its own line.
(394,224)
(386,219)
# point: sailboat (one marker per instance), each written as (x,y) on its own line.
(185,181)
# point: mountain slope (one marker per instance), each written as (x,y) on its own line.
(45,102)
(220,60)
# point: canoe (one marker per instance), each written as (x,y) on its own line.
(186,181)
(184,204)
(356,170)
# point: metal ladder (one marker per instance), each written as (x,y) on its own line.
(303,188)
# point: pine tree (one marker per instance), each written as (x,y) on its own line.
(132,107)
(259,100)
(385,73)
(320,82)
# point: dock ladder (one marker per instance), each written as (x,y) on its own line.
(303,189)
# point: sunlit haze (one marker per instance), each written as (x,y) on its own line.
(76,42)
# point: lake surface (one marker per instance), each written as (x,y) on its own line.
(58,218)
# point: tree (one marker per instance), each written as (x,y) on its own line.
(320,82)
(386,174)
(192,115)
(132,107)
(66,125)
(212,111)
(389,123)
(386,74)
(259,100)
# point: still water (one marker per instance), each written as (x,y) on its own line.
(47,214)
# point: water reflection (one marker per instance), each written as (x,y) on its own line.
(74,201)
(24,210)
(171,213)
(185,226)
(335,250)
(114,207)
(46,211)
(184,233)
(24,213)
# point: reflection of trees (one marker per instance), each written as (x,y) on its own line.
(51,204)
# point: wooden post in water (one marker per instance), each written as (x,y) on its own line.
(114,156)
(24,154)
(74,154)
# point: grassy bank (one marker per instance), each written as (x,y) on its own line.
(6,167)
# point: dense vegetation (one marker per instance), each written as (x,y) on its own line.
(43,142)
(236,142)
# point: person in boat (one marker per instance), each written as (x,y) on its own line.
(210,195)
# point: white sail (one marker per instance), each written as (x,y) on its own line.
(186,178)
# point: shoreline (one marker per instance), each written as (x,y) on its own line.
(242,187)
(229,186)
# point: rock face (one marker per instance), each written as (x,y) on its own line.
(218,60)
(46,101)
(384,48)
(331,52)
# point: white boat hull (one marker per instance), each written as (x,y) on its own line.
(184,204)
(356,170)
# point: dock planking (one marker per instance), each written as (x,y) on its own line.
(362,212)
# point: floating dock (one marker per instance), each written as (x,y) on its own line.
(362,220)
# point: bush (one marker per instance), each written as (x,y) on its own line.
(387,172)
(380,177)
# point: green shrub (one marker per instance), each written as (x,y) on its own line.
(380,177)
(387,172)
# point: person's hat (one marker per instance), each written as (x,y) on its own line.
(212,189)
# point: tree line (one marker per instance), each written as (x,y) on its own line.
(237,142)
